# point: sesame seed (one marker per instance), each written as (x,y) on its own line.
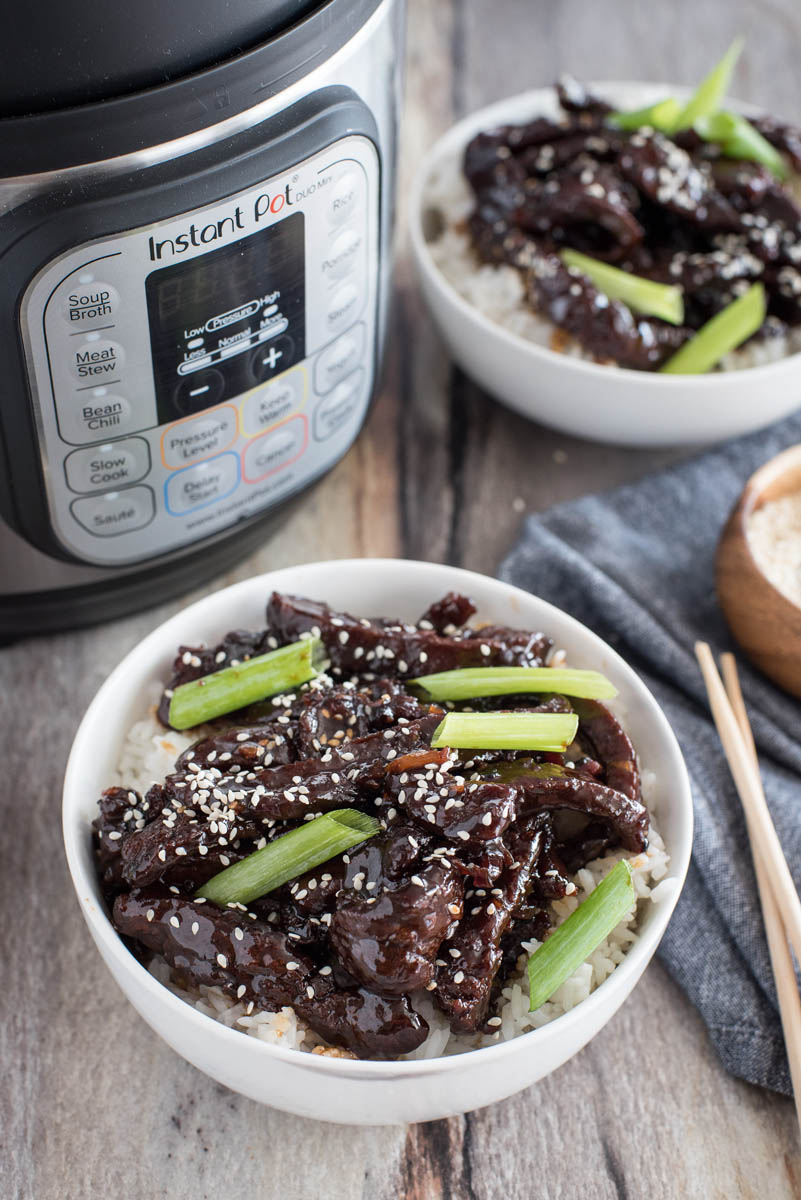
(463,834)
(292,966)
(222,960)
(150,914)
(458,977)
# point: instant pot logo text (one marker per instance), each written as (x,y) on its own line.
(254,213)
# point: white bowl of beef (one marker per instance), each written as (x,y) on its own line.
(520,356)
(330,1086)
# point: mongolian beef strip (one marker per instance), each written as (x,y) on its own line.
(470,958)
(122,812)
(611,745)
(388,938)
(546,785)
(204,811)
(673,210)
(252,961)
(356,644)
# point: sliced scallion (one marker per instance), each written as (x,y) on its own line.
(727,330)
(472,682)
(738,138)
(506,731)
(576,938)
(288,856)
(662,116)
(233,687)
(644,295)
(709,94)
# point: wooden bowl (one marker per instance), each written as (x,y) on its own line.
(763,621)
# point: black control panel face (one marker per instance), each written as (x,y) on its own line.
(227,320)
(191,373)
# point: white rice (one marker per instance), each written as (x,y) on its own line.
(498,292)
(149,753)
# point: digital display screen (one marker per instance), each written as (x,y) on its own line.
(227,320)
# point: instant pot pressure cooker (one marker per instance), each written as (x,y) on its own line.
(195,212)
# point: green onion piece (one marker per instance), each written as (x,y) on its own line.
(568,946)
(726,331)
(234,687)
(471,682)
(662,116)
(644,295)
(289,856)
(738,138)
(709,94)
(506,731)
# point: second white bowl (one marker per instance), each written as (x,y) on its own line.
(578,397)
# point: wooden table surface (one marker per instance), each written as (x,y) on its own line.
(93,1103)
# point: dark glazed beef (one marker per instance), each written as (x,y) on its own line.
(470,850)
(671,210)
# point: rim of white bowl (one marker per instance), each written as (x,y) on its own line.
(76,830)
(527,102)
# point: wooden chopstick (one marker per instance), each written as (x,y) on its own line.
(749,787)
(780,958)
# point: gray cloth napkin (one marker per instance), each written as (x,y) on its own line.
(637,566)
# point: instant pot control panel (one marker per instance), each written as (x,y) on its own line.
(189,374)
